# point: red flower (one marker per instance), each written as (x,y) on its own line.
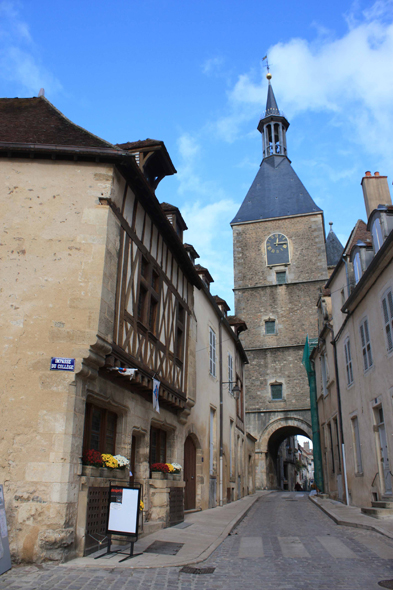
(162,467)
(92,457)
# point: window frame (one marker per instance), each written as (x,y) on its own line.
(276,384)
(149,286)
(357,267)
(212,352)
(348,362)
(103,429)
(230,373)
(365,342)
(387,318)
(160,447)
(376,232)
(356,445)
(274,325)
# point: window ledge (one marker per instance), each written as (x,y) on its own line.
(359,474)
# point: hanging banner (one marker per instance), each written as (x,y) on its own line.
(156,390)
(124,372)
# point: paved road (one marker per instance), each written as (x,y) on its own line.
(284,543)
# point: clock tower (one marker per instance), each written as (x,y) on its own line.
(279,265)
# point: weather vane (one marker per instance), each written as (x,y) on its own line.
(268,75)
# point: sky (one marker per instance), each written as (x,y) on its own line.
(191,73)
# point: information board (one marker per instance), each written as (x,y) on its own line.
(5,557)
(123,510)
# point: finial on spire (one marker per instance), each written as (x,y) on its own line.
(268,75)
(331,225)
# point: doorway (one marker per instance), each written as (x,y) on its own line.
(189,474)
(387,479)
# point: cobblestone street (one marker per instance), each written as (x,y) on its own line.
(284,542)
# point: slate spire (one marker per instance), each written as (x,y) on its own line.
(276,191)
(273,126)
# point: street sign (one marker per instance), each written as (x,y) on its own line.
(62,364)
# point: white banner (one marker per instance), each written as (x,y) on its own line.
(156,389)
(125,372)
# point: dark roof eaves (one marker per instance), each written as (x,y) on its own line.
(261,219)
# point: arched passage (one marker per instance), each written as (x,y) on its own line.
(269,443)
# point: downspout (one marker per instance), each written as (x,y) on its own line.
(221,415)
(333,342)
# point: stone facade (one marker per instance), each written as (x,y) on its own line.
(355,395)
(279,264)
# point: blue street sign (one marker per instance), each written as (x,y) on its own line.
(62,364)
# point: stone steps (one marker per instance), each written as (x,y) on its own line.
(382,504)
(378,512)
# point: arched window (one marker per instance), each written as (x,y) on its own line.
(376,232)
(357,267)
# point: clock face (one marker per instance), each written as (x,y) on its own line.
(277,249)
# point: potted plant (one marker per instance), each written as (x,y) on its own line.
(92,461)
(159,470)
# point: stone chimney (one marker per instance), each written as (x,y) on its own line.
(375,191)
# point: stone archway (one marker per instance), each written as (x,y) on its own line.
(269,443)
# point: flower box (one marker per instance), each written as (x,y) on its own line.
(158,475)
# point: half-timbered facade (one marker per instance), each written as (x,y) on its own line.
(98,276)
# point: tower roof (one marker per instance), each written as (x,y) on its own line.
(334,248)
(276,191)
(271,103)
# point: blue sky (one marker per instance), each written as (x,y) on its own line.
(191,74)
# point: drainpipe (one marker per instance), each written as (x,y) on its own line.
(221,415)
(333,342)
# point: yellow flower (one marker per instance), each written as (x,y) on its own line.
(141,505)
(170,467)
(110,461)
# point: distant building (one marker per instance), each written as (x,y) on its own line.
(354,356)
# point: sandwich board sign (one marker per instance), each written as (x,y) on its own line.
(5,557)
(123,516)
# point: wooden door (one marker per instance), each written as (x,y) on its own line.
(189,474)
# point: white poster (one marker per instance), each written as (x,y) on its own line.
(123,510)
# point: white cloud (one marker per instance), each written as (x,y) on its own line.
(212,65)
(349,78)
(20,61)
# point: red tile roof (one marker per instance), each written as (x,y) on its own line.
(37,121)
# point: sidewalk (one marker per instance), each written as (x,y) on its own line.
(352,516)
(199,535)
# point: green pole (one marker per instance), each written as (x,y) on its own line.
(316,439)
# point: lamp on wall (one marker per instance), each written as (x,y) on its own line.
(235,390)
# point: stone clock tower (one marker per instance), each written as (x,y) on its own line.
(280,263)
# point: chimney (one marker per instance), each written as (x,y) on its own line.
(375,191)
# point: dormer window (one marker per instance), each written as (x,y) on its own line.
(357,267)
(376,232)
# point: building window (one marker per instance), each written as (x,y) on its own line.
(100,429)
(212,352)
(357,267)
(324,373)
(357,448)
(281,278)
(387,308)
(180,332)
(337,444)
(366,345)
(376,232)
(230,372)
(147,310)
(276,391)
(331,446)
(348,362)
(270,327)
(157,445)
